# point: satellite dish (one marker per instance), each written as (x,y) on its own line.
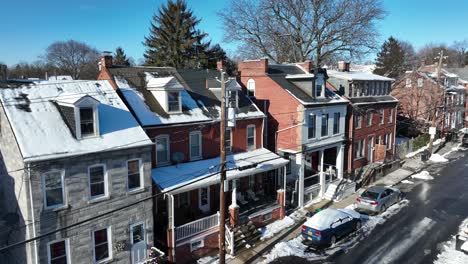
(178,157)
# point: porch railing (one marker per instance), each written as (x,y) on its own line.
(230,240)
(196,227)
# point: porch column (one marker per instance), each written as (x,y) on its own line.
(234,208)
(340,161)
(281,197)
(300,196)
(322,175)
(171,229)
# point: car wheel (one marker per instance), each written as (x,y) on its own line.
(383,208)
(357,226)
(333,240)
(400,197)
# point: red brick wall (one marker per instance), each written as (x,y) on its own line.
(183,254)
(281,107)
(179,138)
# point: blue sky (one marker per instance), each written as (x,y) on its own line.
(29,26)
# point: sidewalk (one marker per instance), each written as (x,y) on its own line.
(410,166)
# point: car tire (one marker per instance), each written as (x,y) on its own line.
(400,197)
(383,208)
(333,240)
(357,225)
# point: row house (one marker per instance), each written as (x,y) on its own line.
(370,119)
(70,151)
(462,74)
(180,112)
(425,96)
(305,124)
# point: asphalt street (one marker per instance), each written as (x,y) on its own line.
(415,234)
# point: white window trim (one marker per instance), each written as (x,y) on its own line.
(64,198)
(367,119)
(142,183)
(86,104)
(390,116)
(180,102)
(338,123)
(328,125)
(357,124)
(362,150)
(67,249)
(251,82)
(309,123)
(247,137)
(208,204)
(382,119)
(131,231)
(389,145)
(168,153)
(109,245)
(200,138)
(106,185)
(195,241)
(408,82)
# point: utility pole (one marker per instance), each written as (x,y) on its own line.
(434,118)
(222,203)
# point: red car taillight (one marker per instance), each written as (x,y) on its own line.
(374,203)
(318,233)
(304,228)
(358,200)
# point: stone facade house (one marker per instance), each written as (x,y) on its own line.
(180,112)
(305,124)
(71,151)
(370,119)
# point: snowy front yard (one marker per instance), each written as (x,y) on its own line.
(295,247)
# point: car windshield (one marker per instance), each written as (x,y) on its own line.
(370,195)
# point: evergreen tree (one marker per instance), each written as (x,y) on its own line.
(120,58)
(174,39)
(391,59)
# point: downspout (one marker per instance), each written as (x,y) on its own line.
(265,123)
(32,213)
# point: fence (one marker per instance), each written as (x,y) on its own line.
(196,227)
(413,144)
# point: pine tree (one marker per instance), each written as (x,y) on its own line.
(174,39)
(391,59)
(120,58)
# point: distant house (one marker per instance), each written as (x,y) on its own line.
(69,152)
(371,116)
(306,124)
(180,112)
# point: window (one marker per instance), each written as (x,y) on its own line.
(53,189)
(420,82)
(228,140)
(97,181)
(408,82)
(251,88)
(390,117)
(86,121)
(232,99)
(197,244)
(336,123)
(57,252)
(312,126)
(381,116)
(357,120)
(250,137)
(134,174)
(195,145)
(162,149)
(369,119)
(359,149)
(173,102)
(204,196)
(286,156)
(324,125)
(102,245)
(319,82)
(389,141)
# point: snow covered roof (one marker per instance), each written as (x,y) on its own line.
(40,128)
(60,78)
(357,76)
(162,83)
(193,175)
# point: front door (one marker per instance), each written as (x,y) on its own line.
(370,149)
(137,237)
(204,199)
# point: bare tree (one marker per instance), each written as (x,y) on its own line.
(410,58)
(74,58)
(296,30)
(461,52)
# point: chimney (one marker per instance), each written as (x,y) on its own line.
(3,72)
(106,60)
(219,65)
(343,66)
(253,67)
(307,65)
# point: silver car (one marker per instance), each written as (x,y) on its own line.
(377,199)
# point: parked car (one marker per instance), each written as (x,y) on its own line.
(377,199)
(465,140)
(326,226)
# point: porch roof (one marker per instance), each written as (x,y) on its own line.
(194,175)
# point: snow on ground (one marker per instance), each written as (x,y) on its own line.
(407,182)
(295,247)
(437,158)
(449,255)
(212,259)
(423,175)
(414,153)
(276,227)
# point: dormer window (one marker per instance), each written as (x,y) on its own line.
(81,115)
(87,121)
(319,83)
(173,102)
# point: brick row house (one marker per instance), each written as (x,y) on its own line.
(423,98)
(180,112)
(305,124)
(70,151)
(371,118)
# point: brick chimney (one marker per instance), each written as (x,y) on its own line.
(307,65)
(253,67)
(106,60)
(343,66)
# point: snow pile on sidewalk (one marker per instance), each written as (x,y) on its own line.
(276,227)
(449,255)
(295,247)
(212,259)
(423,175)
(414,153)
(407,182)
(437,158)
